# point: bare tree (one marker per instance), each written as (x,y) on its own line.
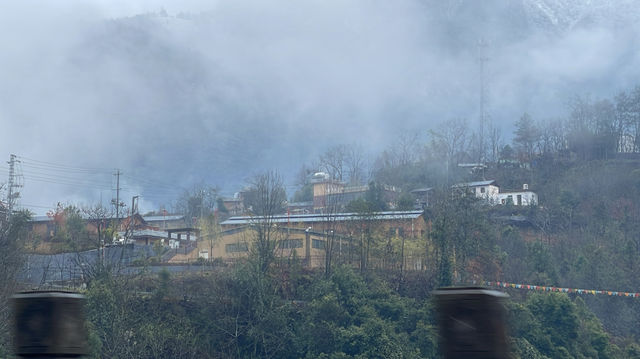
(332,208)
(450,140)
(553,136)
(627,120)
(197,202)
(211,232)
(405,148)
(333,161)
(592,128)
(303,175)
(356,164)
(344,163)
(100,217)
(265,199)
(624,121)
(495,142)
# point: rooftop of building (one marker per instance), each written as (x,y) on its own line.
(170,217)
(475,184)
(304,218)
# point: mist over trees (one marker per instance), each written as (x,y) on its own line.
(169,92)
(374,94)
(366,303)
(197,203)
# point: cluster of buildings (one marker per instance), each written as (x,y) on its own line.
(328,194)
(304,236)
(303,232)
(170,230)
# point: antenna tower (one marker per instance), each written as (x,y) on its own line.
(12,185)
(482,59)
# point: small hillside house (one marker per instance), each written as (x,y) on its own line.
(490,192)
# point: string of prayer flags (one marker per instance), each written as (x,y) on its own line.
(557,289)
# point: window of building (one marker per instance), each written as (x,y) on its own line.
(481,189)
(290,243)
(236,247)
(317,243)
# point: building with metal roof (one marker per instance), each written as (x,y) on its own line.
(313,218)
(475,184)
(407,223)
(491,193)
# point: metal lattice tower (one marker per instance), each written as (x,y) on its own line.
(482,59)
(12,185)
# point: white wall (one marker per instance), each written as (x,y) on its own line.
(494,197)
(527,198)
(490,192)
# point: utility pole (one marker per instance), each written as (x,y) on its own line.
(13,183)
(117,203)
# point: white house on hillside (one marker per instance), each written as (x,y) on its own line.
(487,190)
(518,198)
(490,192)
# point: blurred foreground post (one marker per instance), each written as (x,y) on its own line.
(472,323)
(49,325)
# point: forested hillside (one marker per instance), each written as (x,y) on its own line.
(279,179)
(583,233)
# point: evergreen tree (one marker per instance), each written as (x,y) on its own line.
(526,137)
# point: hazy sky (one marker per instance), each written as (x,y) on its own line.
(212,92)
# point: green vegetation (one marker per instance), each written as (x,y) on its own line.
(585,233)
(288,313)
(244,313)
(12,236)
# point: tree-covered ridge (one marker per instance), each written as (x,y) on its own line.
(242,313)
(583,234)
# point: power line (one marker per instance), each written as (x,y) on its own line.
(56,178)
(63,170)
(45,176)
(66,183)
(90,178)
(36,206)
(60,166)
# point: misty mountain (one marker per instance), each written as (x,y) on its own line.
(219,95)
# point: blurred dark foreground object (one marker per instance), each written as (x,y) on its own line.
(472,323)
(49,325)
